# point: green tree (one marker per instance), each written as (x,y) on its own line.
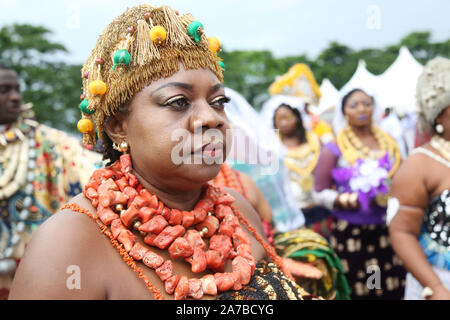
(251,72)
(52,87)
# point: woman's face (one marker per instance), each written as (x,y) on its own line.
(176,130)
(285,120)
(358,109)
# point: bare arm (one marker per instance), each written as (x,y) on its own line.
(323,183)
(409,188)
(322,174)
(247,211)
(256,198)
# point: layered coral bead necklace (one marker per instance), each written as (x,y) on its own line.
(123,204)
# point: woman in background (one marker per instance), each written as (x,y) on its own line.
(306,254)
(354,173)
(419,206)
(303,150)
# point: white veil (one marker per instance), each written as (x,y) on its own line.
(262,140)
(271,105)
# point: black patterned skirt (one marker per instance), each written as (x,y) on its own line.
(371,267)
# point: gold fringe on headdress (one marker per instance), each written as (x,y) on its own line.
(149,61)
(174,37)
(146,49)
(186,19)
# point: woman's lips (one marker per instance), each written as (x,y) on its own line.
(363,118)
(210,150)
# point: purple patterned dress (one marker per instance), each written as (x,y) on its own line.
(360,237)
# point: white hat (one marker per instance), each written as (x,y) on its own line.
(433,92)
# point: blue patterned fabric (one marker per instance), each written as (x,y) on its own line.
(436,254)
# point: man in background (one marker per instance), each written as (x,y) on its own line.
(40,169)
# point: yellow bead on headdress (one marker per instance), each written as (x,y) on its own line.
(97,87)
(140,46)
(85,126)
(158,35)
(214,44)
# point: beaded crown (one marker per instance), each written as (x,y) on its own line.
(143,44)
(433,92)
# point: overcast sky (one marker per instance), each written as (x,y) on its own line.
(286,27)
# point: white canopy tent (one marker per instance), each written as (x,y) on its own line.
(398,83)
(361,78)
(330,96)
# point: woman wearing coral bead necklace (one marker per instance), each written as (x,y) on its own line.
(161,231)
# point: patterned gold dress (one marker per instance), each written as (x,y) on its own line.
(268,283)
(40,169)
(301,162)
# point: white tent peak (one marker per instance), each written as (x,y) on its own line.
(405,61)
(330,95)
(361,64)
(362,78)
(326,83)
(398,83)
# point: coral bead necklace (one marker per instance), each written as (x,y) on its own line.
(123,204)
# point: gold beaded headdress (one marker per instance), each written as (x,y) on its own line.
(142,45)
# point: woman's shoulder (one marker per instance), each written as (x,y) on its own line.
(70,219)
(409,182)
(419,158)
(247,210)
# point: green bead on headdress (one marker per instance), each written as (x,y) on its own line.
(121,56)
(221,64)
(195,30)
(84,107)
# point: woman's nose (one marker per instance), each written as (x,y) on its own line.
(204,116)
(361,107)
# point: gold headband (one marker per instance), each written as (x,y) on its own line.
(142,45)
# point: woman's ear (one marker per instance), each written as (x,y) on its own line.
(439,119)
(115,128)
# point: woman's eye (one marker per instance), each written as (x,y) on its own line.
(178,103)
(220,101)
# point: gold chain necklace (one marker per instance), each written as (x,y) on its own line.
(311,146)
(353,149)
(17,158)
